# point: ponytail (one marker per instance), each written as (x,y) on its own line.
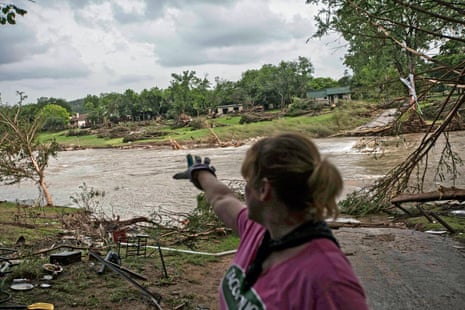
(325,184)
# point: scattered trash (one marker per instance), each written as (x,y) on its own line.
(458,213)
(52,268)
(66,258)
(154,298)
(111,257)
(36,306)
(436,232)
(22,286)
(47,277)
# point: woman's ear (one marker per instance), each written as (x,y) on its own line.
(266,191)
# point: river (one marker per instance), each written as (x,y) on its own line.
(139,181)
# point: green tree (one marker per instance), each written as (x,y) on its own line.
(55,117)
(22,154)
(41,102)
(448,64)
(131,104)
(187,93)
(154,100)
(388,39)
(95,109)
(277,84)
(222,93)
(112,106)
(322,83)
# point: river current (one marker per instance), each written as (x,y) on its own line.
(139,181)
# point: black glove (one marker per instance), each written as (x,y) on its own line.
(193,167)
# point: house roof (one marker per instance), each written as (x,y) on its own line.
(329,91)
(229,106)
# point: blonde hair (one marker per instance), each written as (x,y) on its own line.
(300,178)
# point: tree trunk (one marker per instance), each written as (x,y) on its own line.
(443,193)
(48,197)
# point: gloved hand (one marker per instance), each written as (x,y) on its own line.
(193,167)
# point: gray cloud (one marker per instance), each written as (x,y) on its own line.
(132,78)
(207,33)
(17,43)
(68,47)
(40,71)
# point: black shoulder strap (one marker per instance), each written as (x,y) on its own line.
(302,234)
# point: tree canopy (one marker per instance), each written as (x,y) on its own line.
(389,39)
(8,13)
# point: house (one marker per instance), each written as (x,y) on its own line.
(227,109)
(330,95)
(80,121)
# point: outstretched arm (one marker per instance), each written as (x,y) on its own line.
(223,200)
(225,203)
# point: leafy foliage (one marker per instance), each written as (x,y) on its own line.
(8,13)
(55,117)
(389,39)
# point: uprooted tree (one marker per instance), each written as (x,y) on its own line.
(395,40)
(22,154)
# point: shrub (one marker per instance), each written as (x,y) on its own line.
(75,132)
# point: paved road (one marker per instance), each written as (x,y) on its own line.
(405,269)
(382,120)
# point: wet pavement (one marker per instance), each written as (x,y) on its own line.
(406,269)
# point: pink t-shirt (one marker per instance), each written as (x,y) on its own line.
(318,277)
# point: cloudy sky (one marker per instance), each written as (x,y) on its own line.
(69,49)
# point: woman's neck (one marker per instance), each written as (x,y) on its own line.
(282,223)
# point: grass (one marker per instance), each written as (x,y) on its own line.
(33,223)
(347,116)
(90,141)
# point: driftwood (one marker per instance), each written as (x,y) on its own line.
(135,220)
(175,145)
(218,141)
(215,136)
(336,225)
(443,193)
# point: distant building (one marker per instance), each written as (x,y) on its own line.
(80,121)
(227,109)
(330,95)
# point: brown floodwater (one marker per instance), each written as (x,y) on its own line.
(139,181)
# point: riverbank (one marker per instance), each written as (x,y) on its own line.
(228,130)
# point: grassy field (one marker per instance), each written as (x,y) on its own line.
(325,123)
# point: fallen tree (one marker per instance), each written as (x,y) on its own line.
(443,193)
